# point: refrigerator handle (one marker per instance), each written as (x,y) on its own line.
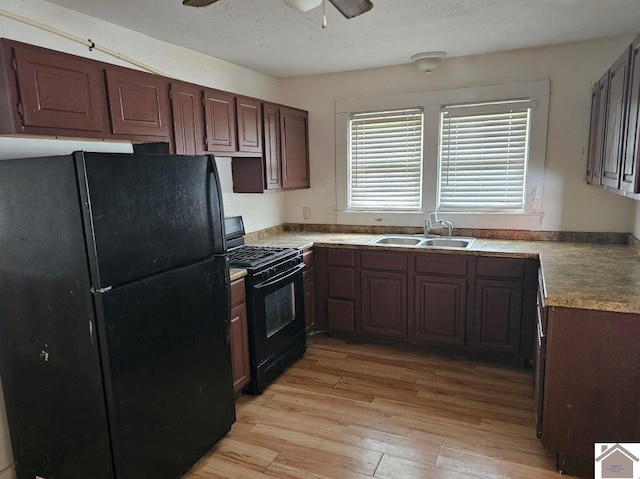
(227,321)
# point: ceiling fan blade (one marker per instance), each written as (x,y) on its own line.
(352,8)
(198,3)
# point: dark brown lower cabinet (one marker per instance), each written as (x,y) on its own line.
(591,384)
(498,315)
(440,310)
(239,337)
(454,303)
(384,304)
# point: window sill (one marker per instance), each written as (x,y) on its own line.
(513,221)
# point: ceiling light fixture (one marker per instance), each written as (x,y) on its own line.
(302,5)
(428,61)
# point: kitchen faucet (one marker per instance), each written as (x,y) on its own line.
(433,220)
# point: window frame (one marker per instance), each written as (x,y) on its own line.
(432,103)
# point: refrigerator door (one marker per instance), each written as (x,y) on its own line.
(149,213)
(167,368)
(49,357)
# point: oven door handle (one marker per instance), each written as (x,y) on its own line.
(281,277)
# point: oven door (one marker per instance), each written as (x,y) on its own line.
(277,317)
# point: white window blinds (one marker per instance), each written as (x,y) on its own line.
(385,162)
(483,156)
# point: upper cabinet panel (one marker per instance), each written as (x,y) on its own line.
(52,93)
(614,129)
(249,114)
(138,103)
(220,120)
(629,181)
(294,130)
(188,121)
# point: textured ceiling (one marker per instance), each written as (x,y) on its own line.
(269,37)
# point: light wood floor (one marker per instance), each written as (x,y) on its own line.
(351,411)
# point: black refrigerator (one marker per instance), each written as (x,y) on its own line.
(114,314)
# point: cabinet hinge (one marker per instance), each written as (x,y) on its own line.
(170,94)
(14,63)
(20,112)
(202,99)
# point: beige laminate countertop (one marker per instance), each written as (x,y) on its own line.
(577,275)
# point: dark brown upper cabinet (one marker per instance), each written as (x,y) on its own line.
(612,160)
(249,118)
(614,126)
(44,92)
(188,119)
(629,180)
(294,131)
(272,152)
(220,121)
(138,103)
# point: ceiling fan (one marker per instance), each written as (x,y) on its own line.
(348,8)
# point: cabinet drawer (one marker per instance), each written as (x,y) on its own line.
(237,292)
(384,261)
(340,257)
(450,265)
(307,258)
(500,267)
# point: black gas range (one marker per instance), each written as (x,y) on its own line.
(275,304)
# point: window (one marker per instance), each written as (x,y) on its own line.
(385,160)
(483,156)
(443,113)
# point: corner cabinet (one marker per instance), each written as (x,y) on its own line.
(612,158)
(43,92)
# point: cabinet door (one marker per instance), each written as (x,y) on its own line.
(138,103)
(629,181)
(593,133)
(238,335)
(440,310)
(60,91)
(249,115)
(188,120)
(612,160)
(384,304)
(294,131)
(272,156)
(220,120)
(498,312)
(600,128)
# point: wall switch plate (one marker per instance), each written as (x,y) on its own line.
(306,213)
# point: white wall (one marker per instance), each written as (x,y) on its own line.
(568,203)
(259,211)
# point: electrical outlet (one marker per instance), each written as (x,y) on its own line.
(331,213)
(306,213)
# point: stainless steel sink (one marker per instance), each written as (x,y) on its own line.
(448,242)
(398,240)
(423,242)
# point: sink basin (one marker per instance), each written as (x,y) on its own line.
(423,242)
(448,242)
(398,240)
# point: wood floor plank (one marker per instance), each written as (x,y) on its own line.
(359,411)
